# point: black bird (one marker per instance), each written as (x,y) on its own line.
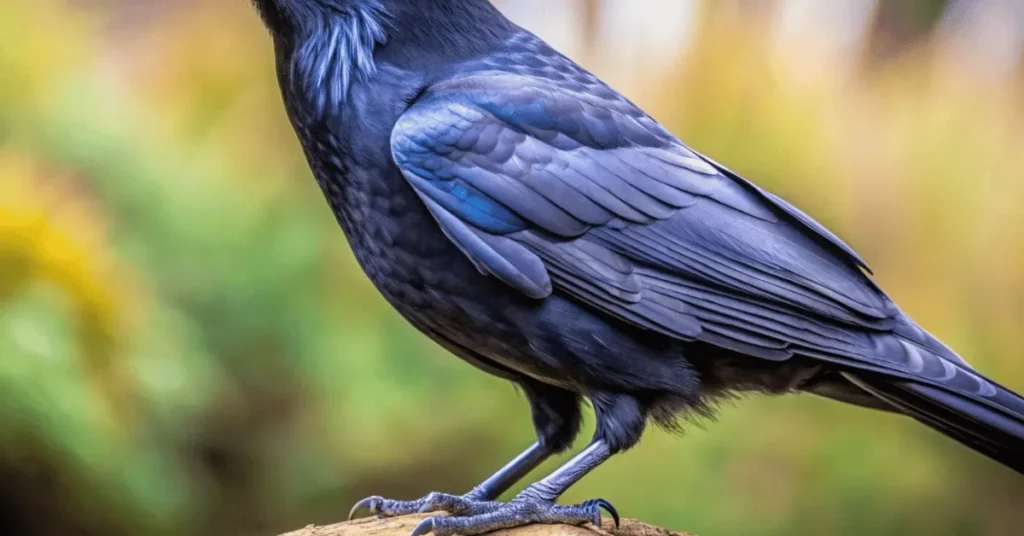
(533,221)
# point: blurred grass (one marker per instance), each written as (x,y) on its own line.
(187,346)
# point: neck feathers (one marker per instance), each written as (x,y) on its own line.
(332,48)
(326,46)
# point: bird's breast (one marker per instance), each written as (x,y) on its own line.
(397,242)
(404,253)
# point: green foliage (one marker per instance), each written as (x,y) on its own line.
(186,345)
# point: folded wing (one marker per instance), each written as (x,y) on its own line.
(551,188)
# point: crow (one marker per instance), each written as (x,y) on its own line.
(540,226)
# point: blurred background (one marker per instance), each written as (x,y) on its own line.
(188,347)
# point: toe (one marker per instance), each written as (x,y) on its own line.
(482,517)
(432,502)
(425,527)
(372,503)
(596,505)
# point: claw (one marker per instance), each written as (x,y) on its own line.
(373,503)
(425,527)
(599,504)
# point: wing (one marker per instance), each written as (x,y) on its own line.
(556,186)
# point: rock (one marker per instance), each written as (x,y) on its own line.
(402,526)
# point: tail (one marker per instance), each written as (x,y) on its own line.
(990,421)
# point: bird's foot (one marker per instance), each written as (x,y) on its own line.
(522,510)
(465,505)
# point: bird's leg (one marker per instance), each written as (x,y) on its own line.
(535,504)
(512,472)
(556,418)
(478,500)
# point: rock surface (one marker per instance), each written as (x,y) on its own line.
(402,526)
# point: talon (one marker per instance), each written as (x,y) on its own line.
(425,527)
(601,503)
(373,503)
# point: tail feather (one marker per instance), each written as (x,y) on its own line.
(991,425)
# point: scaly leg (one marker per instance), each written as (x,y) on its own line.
(556,417)
(535,504)
(477,500)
